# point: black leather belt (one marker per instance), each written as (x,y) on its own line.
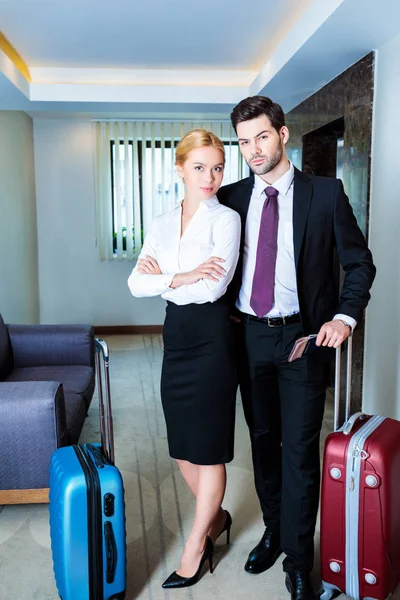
(273,321)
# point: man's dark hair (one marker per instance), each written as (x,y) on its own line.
(256,106)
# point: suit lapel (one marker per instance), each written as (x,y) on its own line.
(302,195)
(240,202)
(243,195)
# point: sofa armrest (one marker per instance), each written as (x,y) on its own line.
(32,426)
(52,345)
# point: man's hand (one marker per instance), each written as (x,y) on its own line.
(210,269)
(148,266)
(332,334)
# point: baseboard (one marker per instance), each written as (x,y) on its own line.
(127,329)
(35,496)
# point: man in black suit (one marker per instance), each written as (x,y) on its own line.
(284,288)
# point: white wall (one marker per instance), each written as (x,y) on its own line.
(382,345)
(75,286)
(19,294)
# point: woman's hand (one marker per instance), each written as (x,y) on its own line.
(210,269)
(148,266)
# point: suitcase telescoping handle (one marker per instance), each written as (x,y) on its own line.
(349,421)
(107,439)
(338,379)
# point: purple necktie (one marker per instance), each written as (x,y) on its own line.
(262,293)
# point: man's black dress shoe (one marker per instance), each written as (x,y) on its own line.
(299,586)
(264,555)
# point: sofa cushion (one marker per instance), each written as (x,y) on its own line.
(75,379)
(6,360)
(78,385)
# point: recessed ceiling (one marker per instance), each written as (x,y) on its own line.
(179,56)
(152,34)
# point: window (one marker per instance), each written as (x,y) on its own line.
(140,173)
(166,188)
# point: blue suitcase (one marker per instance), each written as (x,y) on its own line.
(87,512)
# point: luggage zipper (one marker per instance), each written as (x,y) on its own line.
(94,520)
(355,454)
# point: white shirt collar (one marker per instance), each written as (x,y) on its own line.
(210,203)
(282,184)
(206,204)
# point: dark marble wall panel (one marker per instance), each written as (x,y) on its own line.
(349,97)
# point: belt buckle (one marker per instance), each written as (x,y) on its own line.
(270,323)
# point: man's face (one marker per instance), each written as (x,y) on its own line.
(261,145)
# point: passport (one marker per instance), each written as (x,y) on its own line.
(303,346)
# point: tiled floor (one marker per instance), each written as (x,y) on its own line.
(159,507)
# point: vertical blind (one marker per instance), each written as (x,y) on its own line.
(136,177)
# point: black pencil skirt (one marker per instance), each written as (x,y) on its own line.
(198,382)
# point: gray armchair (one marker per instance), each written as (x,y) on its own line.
(47,379)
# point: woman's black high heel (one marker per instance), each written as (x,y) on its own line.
(227,528)
(177,581)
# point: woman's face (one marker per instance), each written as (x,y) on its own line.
(202,172)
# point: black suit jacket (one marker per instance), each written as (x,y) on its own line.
(322,220)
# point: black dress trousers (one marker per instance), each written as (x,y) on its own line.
(284,406)
(199,382)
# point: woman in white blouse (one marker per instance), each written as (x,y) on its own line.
(189,257)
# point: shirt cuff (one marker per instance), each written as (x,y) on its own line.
(167,282)
(349,320)
(169,279)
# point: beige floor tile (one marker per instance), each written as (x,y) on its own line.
(159,507)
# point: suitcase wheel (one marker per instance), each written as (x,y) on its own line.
(328,594)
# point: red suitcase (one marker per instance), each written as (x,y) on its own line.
(360,504)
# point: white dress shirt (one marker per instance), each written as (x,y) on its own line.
(286,300)
(285,294)
(214,230)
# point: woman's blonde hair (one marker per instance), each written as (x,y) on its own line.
(197,138)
